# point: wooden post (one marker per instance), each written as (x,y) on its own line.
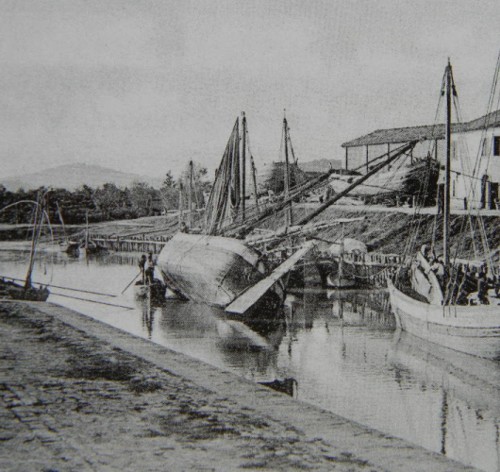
(181,204)
(367,158)
(243,164)
(289,218)
(86,229)
(190,194)
(254,177)
(346,158)
(446,212)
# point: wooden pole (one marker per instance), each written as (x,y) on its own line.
(446,212)
(37,223)
(62,222)
(346,158)
(190,194)
(86,229)
(254,178)
(367,159)
(181,205)
(288,217)
(243,164)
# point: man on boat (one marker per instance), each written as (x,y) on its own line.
(142,267)
(482,288)
(438,268)
(150,269)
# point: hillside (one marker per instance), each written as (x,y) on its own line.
(72,176)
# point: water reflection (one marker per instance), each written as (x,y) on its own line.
(469,408)
(335,349)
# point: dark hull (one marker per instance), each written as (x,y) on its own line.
(155,291)
(13,291)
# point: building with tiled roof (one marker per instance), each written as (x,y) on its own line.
(466,140)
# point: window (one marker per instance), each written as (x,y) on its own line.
(496,145)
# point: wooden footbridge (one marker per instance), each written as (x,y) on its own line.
(139,243)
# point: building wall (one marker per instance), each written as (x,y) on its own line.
(475,170)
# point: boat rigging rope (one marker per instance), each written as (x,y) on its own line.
(416,223)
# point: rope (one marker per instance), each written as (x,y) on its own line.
(93,301)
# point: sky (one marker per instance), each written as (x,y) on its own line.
(144,86)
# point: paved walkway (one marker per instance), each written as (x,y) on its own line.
(78,395)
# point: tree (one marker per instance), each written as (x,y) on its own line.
(143,198)
(109,198)
(169,192)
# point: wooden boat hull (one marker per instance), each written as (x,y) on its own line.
(214,270)
(12,291)
(471,329)
(156,291)
(389,183)
(73,249)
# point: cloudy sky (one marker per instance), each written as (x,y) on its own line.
(143,86)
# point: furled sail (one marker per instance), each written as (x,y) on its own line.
(225,198)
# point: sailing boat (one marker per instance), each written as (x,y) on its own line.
(219,267)
(418,301)
(212,268)
(9,289)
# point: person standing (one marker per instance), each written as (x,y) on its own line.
(142,267)
(150,269)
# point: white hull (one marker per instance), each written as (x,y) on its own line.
(471,329)
(213,270)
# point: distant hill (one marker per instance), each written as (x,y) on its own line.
(72,176)
(320,165)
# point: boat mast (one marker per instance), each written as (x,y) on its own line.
(86,229)
(62,222)
(37,224)
(243,164)
(181,205)
(446,207)
(190,194)
(289,218)
(254,178)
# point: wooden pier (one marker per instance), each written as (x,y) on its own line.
(142,243)
(364,268)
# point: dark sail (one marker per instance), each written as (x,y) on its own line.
(224,201)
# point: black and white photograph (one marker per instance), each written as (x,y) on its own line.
(249,235)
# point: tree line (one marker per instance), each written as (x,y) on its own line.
(107,202)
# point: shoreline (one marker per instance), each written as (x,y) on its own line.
(86,392)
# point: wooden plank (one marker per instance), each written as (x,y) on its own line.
(252,295)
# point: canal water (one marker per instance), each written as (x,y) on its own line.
(338,350)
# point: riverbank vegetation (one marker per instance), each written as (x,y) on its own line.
(107,202)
